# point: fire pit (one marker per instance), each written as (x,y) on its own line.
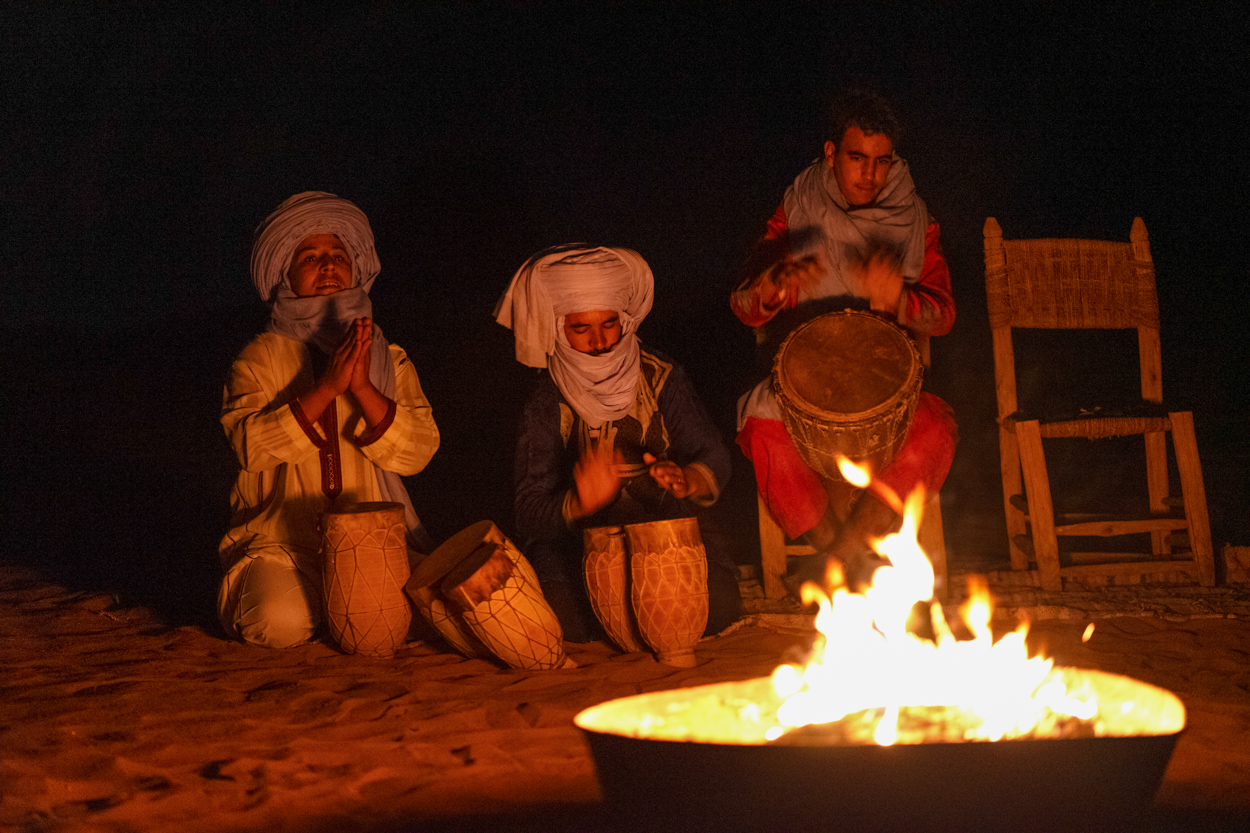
(698,758)
(883,728)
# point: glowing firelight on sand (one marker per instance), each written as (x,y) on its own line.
(865,658)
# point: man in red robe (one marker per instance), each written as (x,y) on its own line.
(851,232)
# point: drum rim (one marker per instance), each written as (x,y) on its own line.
(364,507)
(685,521)
(914,379)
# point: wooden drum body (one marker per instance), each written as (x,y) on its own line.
(364,570)
(847,383)
(668,587)
(430,603)
(606,566)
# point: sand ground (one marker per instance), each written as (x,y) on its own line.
(110,720)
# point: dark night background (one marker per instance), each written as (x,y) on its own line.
(143,143)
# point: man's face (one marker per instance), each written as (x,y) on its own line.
(595,332)
(321,265)
(860,164)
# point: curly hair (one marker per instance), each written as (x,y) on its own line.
(865,108)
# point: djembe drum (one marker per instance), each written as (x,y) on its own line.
(847,383)
(482,594)
(668,587)
(364,570)
(606,567)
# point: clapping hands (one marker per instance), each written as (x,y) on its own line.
(349,366)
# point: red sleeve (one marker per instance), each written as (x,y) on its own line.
(778,224)
(302,419)
(930,307)
(372,435)
(745,300)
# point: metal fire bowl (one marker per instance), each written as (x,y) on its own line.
(1090,783)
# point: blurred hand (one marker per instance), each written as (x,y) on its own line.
(596,479)
(784,280)
(881,282)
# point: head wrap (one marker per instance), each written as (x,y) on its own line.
(321,320)
(324,320)
(574,278)
(312,212)
(821,221)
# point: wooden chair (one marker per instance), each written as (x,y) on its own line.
(774,546)
(1081,284)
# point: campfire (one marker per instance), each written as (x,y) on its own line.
(961,729)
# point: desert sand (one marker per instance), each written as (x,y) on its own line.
(111,720)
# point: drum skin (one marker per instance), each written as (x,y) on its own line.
(847,383)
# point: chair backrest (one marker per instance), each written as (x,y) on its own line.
(1071,284)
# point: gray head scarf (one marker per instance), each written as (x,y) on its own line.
(843,234)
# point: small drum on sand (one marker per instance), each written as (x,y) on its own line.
(364,570)
(490,599)
(606,566)
(847,383)
(668,587)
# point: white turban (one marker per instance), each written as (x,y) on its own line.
(312,212)
(569,279)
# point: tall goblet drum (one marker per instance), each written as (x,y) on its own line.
(364,569)
(668,572)
(606,567)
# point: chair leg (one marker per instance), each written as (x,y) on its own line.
(772,553)
(1157,485)
(1041,510)
(1194,494)
(1009,457)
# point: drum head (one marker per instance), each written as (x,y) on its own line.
(366,507)
(846,363)
(435,566)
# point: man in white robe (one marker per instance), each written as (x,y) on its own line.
(321,412)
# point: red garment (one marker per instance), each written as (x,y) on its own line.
(791,490)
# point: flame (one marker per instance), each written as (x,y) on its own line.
(865,658)
(856,475)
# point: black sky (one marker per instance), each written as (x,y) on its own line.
(142,144)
